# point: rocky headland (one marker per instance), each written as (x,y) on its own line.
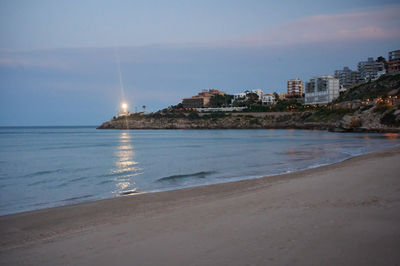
(368,107)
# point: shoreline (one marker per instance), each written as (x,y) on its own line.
(232,180)
(27,232)
(228,180)
(322,128)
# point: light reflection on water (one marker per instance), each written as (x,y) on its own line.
(391,135)
(124,153)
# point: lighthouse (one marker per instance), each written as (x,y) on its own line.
(124,110)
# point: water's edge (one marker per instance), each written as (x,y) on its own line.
(232,180)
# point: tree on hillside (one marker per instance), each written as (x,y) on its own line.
(221,100)
(252,98)
(239,103)
(382,60)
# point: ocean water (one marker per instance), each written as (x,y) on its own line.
(41,167)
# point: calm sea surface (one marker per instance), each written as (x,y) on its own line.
(42,167)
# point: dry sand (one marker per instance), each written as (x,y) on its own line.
(343,214)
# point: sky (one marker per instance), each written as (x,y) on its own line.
(61,61)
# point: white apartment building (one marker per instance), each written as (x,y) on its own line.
(321,90)
(238,97)
(268,98)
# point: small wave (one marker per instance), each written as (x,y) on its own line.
(64,184)
(175,177)
(78,179)
(119,175)
(76,170)
(104,182)
(38,183)
(300,159)
(41,204)
(77,198)
(118,172)
(189,146)
(40,173)
(61,185)
(128,192)
(299,152)
(352,153)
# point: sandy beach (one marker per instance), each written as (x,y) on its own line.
(342,214)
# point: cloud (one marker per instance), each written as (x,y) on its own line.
(355,26)
(373,25)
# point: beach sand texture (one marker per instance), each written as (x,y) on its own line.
(343,214)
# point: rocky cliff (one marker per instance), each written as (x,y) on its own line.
(217,121)
(375,106)
(369,107)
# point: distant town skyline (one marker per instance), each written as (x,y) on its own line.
(59,60)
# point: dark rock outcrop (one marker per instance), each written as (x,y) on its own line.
(231,121)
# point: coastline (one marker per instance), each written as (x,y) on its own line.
(261,120)
(239,210)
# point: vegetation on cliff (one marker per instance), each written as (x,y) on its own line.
(373,89)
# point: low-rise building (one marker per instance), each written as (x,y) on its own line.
(268,98)
(239,96)
(393,62)
(369,69)
(194,102)
(347,77)
(321,90)
(295,87)
(201,100)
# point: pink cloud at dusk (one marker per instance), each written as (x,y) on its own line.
(382,23)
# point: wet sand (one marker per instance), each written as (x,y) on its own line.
(343,214)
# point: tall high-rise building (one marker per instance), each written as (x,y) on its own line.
(295,87)
(321,90)
(347,77)
(394,61)
(370,69)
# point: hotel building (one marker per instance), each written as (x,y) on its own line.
(201,100)
(321,90)
(347,77)
(370,69)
